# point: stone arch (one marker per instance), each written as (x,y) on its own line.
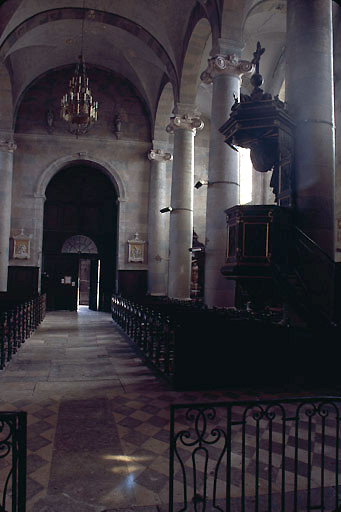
(265,21)
(194,62)
(233,19)
(62,162)
(163,113)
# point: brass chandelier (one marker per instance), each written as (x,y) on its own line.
(78,108)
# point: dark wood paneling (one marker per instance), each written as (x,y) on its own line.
(60,295)
(22,281)
(132,283)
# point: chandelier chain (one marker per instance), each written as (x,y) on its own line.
(78,108)
(82,35)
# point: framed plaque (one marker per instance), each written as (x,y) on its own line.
(136,249)
(22,246)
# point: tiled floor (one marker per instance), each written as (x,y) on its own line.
(98,419)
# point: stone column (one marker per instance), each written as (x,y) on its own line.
(7,147)
(310,98)
(225,72)
(337,74)
(184,125)
(158,224)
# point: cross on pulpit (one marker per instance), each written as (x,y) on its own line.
(257,55)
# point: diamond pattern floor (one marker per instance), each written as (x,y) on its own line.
(98,419)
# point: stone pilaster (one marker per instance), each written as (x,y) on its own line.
(224,72)
(7,147)
(158,224)
(184,125)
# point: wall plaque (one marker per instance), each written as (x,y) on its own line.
(22,246)
(136,249)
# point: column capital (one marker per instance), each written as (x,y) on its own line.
(7,145)
(185,118)
(225,65)
(159,155)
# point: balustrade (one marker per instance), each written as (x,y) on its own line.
(149,328)
(196,347)
(17,323)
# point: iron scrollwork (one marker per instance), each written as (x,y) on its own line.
(280,454)
(13,455)
(6,447)
(201,437)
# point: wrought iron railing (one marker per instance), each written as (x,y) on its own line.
(17,323)
(13,461)
(281,455)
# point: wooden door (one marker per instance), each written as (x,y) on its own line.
(61,281)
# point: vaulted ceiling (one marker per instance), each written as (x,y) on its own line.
(145,41)
(139,39)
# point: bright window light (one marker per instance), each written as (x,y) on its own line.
(245,175)
(281,93)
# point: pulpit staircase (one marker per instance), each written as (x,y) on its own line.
(307,283)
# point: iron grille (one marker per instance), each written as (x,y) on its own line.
(13,461)
(261,455)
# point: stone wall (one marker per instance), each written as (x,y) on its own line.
(43,150)
(39,157)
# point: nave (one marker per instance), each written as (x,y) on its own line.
(98,418)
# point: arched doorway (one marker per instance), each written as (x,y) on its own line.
(89,265)
(79,241)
